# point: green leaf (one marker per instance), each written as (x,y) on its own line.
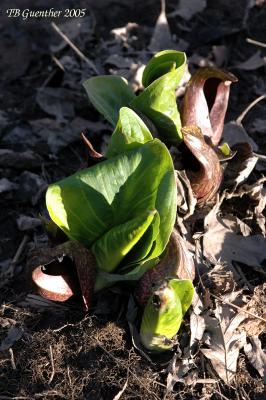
(158,102)
(91,202)
(105,279)
(161,319)
(108,94)
(114,245)
(184,289)
(130,133)
(164,313)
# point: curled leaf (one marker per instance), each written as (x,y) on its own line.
(158,102)
(64,271)
(130,133)
(164,313)
(202,164)
(206,100)
(177,262)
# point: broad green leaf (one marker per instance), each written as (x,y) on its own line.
(91,202)
(108,94)
(105,279)
(164,313)
(114,245)
(158,102)
(130,133)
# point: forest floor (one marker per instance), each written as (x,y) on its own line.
(53,350)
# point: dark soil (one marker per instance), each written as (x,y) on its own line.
(62,353)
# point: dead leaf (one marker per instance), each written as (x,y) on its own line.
(26,223)
(220,54)
(197,328)
(124,32)
(240,166)
(118,61)
(13,335)
(57,102)
(219,280)
(161,38)
(187,9)
(221,242)
(224,341)
(7,186)
(256,356)
(255,305)
(19,160)
(234,133)
(254,62)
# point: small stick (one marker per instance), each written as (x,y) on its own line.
(52,364)
(256,42)
(20,249)
(260,156)
(58,63)
(12,359)
(249,107)
(238,308)
(74,47)
(242,276)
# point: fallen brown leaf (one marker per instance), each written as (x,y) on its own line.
(224,341)
(256,356)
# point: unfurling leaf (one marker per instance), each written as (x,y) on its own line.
(164,313)
(123,208)
(108,94)
(202,164)
(206,100)
(177,262)
(158,102)
(130,133)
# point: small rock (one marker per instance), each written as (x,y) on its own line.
(26,223)
(29,185)
(7,186)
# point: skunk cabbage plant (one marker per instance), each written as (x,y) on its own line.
(157,102)
(164,313)
(123,209)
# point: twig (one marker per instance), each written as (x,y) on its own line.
(256,42)
(249,107)
(20,249)
(58,63)
(260,156)
(119,394)
(52,364)
(12,359)
(74,47)
(238,308)
(220,394)
(242,276)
